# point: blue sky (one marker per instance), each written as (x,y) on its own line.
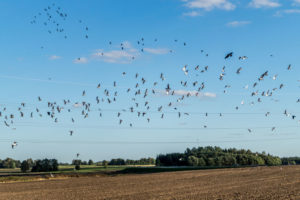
(35,63)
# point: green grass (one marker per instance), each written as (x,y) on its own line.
(63,169)
(147,170)
(15,178)
(10,175)
(88,168)
(68,170)
(5,171)
(127,169)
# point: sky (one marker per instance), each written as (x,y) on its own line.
(39,61)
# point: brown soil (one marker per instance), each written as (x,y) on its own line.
(245,183)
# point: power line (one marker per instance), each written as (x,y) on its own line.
(55,81)
(46,81)
(148,128)
(143,142)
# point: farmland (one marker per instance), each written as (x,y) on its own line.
(282,182)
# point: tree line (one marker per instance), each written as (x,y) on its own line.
(217,157)
(202,156)
(45,165)
(10,163)
(142,161)
(290,161)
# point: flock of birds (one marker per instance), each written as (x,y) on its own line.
(53,17)
(138,95)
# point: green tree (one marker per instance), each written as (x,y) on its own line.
(272,161)
(104,163)
(219,161)
(77,167)
(9,163)
(229,160)
(90,162)
(84,163)
(118,161)
(211,162)
(76,162)
(215,156)
(192,161)
(201,162)
(260,160)
(25,166)
(30,162)
(292,162)
(45,165)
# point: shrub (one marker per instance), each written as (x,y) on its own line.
(104,163)
(90,162)
(46,165)
(118,161)
(77,167)
(25,166)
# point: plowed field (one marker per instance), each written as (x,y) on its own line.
(245,183)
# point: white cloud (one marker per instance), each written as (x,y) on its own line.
(288,11)
(291,11)
(20,58)
(192,14)
(157,50)
(80,60)
(127,45)
(192,93)
(124,56)
(264,4)
(208,94)
(115,56)
(77,105)
(210,4)
(54,57)
(296,2)
(238,23)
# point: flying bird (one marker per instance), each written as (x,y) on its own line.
(228,55)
